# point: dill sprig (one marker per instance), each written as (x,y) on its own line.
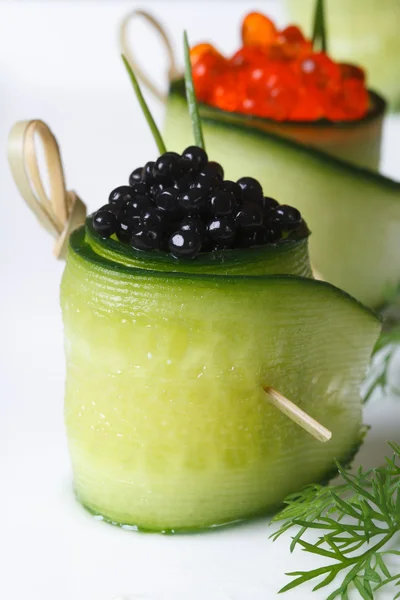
(359,525)
(378,378)
(387,346)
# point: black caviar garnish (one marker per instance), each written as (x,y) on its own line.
(222,202)
(168,201)
(135,176)
(167,167)
(125,229)
(194,223)
(147,172)
(181,204)
(183,183)
(105,222)
(152,217)
(234,188)
(197,156)
(185,243)
(251,189)
(222,231)
(287,216)
(194,201)
(214,168)
(147,238)
(121,194)
(249,215)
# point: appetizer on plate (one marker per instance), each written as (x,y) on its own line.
(190,309)
(188,305)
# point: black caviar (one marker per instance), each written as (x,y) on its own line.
(182,205)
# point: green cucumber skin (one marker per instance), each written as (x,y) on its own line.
(353,213)
(167,423)
(363,32)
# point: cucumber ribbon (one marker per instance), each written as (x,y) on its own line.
(61,211)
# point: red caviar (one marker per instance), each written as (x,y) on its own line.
(351,72)
(277,75)
(258,30)
(207,67)
(197,52)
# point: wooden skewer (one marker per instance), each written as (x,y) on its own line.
(297,415)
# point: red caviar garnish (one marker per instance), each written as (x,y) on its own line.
(258,30)
(291,35)
(292,43)
(348,102)
(349,71)
(277,75)
(274,90)
(206,70)
(248,56)
(200,50)
(318,70)
(225,94)
(308,106)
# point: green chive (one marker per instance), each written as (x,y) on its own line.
(191,96)
(319,30)
(146,111)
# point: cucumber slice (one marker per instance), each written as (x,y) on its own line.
(365,32)
(358,142)
(167,422)
(353,214)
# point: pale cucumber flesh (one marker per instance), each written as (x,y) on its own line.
(167,421)
(353,214)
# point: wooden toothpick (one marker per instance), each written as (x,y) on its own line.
(297,415)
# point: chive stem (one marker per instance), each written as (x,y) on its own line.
(319,29)
(191,96)
(143,104)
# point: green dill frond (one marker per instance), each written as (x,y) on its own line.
(358,522)
(382,360)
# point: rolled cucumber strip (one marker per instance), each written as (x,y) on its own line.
(168,424)
(353,213)
(358,142)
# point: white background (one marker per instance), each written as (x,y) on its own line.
(59,62)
